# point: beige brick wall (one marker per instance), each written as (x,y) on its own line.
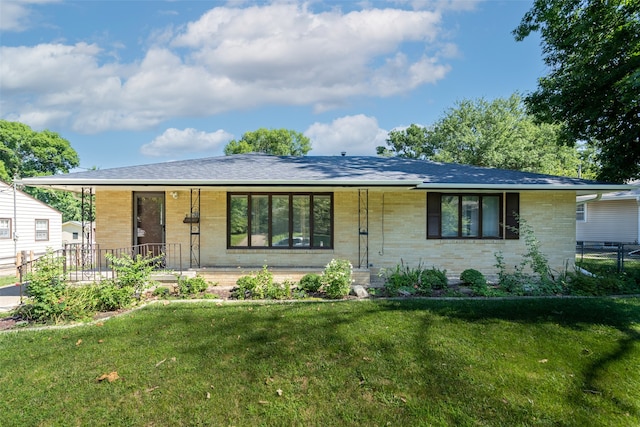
(397,231)
(114,219)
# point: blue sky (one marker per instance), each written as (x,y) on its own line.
(136,82)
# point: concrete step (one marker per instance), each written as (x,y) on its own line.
(229,276)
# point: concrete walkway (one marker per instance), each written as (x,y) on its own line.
(9,297)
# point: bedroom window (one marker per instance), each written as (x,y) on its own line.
(472,216)
(42,229)
(5,228)
(280,220)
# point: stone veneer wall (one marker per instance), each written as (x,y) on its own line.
(397,232)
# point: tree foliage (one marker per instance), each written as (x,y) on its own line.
(25,153)
(497,134)
(279,142)
(592,48)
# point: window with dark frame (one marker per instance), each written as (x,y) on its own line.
(280,220)
(472,216)
(5,228)
(42,229)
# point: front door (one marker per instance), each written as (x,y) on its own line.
(149,223)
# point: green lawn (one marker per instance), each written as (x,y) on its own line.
(7,280)
(526,362)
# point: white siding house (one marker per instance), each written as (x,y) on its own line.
(72,232)
(613,217)
(37,225)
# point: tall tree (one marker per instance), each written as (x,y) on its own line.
(279,142)
(496,133)
(25,153)
(592,48)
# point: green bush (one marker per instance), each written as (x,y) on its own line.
(475,280)
(50,299)
(260,285)
(135,271)
(247,288)
(403,278)
(408,280)
(433,279)
(111,296)
(310,282)
(46,290)
(279,290)
(336,278)
(161,292)
(192,285)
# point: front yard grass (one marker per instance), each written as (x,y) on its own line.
(7,280)
(527,362)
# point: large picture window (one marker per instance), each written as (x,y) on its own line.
(472,216)
(280,220)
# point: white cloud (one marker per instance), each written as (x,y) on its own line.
(231,58)
(175,142)
(15,15)
(355,135)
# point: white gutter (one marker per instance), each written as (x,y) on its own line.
(595,199)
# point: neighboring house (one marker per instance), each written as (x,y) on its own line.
(72,232)
(254,210)
(609,218)
(37,225)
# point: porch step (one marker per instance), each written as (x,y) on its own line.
(229,276)
(171,278)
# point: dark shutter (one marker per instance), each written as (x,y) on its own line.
(512,208)
(433,215)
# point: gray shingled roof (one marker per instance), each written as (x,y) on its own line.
(260,169)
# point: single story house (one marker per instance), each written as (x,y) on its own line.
(72,232)
(35,225)
(609,218)
(253,210)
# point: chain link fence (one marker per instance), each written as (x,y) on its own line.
(617,255)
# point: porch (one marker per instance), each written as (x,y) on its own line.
(91,264)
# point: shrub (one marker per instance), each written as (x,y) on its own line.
(394,280)
(246,287)
(517,282)
(433,279)
(192,285)
(476,280)
(161,292)
(134,272)
(336,278)
(585,285)
(410,280)
(46,290)
(279,290)
(111,296)
(310,282)
(405,279)
(256,286)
